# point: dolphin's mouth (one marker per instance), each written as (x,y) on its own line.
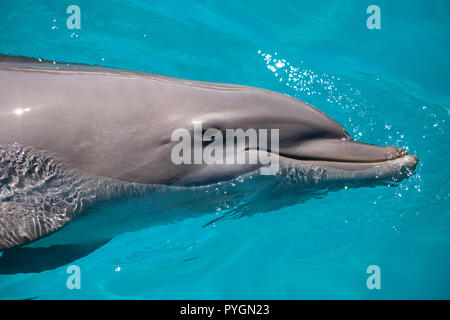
(341,150)
(347,160)
(408,160)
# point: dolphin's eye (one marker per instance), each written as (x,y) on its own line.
(209,135)
(207,139)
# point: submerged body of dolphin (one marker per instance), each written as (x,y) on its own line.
(73,135)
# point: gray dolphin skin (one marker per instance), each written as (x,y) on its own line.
(74,135)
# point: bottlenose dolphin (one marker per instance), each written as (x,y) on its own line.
(74,135)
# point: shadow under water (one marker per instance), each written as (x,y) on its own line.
(34,260)
(243,196)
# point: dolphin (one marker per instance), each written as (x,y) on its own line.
(73,136)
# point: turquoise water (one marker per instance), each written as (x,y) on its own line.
(387,87)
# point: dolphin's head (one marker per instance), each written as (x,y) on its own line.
(310,146)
